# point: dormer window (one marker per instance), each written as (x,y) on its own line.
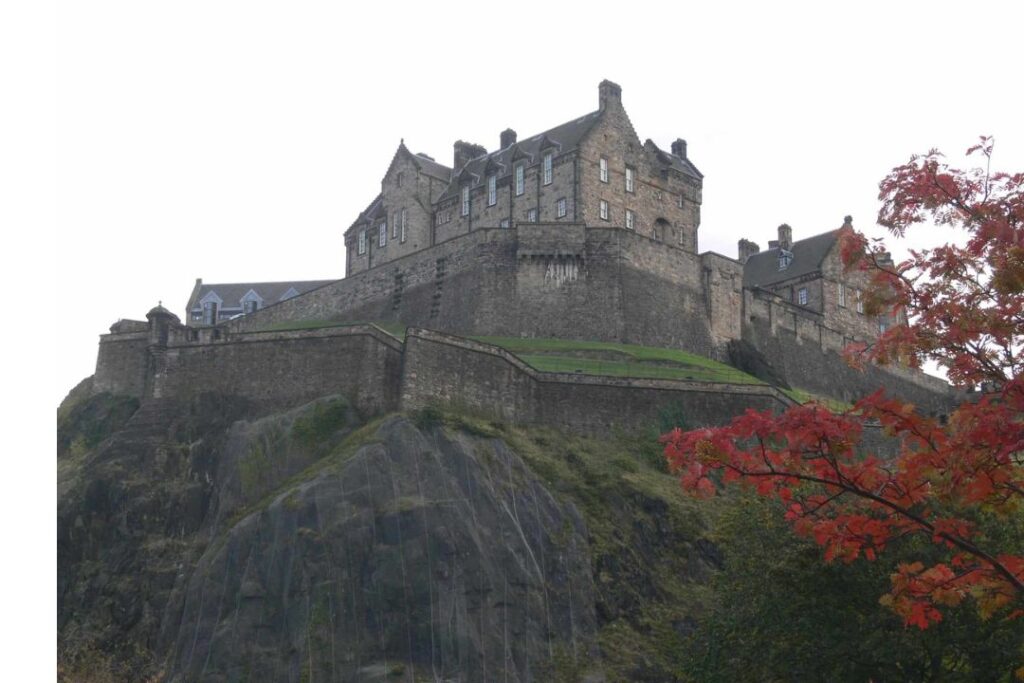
(492,190)
(603,166)
(251,306)
(210,313)
(785,258)
(362,242)
(465,200)
(547,168)
(520,180)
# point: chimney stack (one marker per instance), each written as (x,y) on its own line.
(773,244)
(847,221)
(747,249)
(679,148)
(464,151)
(785,237)
(608,93)
(508,138)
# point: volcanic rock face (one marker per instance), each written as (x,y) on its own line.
(197,544)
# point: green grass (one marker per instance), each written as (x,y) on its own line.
(618,360)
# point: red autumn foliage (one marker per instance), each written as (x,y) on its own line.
(964,305)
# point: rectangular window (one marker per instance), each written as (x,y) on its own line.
(603,206)
(210,313)
(630,183)
(404,217)
(860,301)
(547,168)
(802,296)
(251,306)
(679,201)
(560,208)
(394,225)
(382,240)
(842,295)
(492,190)
(629,220)
(603,165)
(520,180)
(362,241)
(883,325)
(531,216)
(465,200)
(504,223)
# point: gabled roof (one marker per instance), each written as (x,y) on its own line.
(231,294)
(373,210)
(565,137)
(762,268)
(667,159)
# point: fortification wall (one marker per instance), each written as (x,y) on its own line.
(541,280)
(808,355)
(452,372)
(121,364)
(284,369)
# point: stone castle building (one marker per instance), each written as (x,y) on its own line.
(579,232)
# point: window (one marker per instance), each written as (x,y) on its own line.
(531,216)
(547,168)
(251,306)
(382,240)
(860,301)
(520,180)
(603,208)
(362,241)
(465,200)
(492,190)
(801,296)
(603,165)
(394,225)
(630,183)
(404,216)
(679,201)
(210,313)
(883,325)
(629,220)
(560,208)
(504,223)
(785,257)
(842,295)
(399,178)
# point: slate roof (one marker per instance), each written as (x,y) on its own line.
(271,292)
(684,166)
(565,137)
(432,168)
(762,268)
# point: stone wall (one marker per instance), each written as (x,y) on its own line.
(808,355)
(542,280)
(284,369)
(451,372)
(121,364)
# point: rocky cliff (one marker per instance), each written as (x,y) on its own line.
(203,541)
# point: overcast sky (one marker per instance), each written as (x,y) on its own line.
(236,141)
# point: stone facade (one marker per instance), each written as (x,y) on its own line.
(573,173)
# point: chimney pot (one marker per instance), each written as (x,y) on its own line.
(747,249)
(508,137)
(785,236)
(608,92)
(679,148)
(464,151)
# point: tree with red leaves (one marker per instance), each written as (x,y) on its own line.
(948,479)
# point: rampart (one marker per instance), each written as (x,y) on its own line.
(538,280)
(380,373)
(808,355)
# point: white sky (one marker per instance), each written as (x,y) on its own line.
(236,140)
